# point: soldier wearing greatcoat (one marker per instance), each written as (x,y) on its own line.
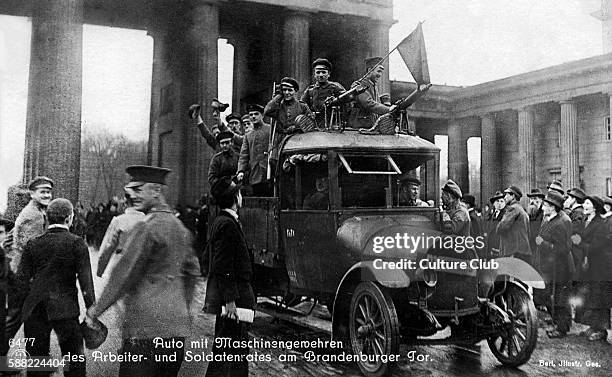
(513,229)
(553,245)
(225,162)
(367,106)
(456,219)
(573,204)
(253,158)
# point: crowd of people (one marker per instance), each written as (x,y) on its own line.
(565,234)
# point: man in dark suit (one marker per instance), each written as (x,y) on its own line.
(48,272)
(553,243)
(229,281)
(573,204)
(536,214)
(491,236)
(513,229)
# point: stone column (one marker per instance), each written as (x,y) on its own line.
(53,123)
(570,173)
(379,46)
(604,14)
(457,156)
(490,171)
(199,85)
(158,51)
(241,50)
(296,47)
(527,177)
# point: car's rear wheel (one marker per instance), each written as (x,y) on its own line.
(374,329)
(515,343)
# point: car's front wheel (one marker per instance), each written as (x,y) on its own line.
(374,329)
(515,342)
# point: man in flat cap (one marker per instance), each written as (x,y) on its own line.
(30,223)
(225,162)
(156,278)
(557,265)
(254,154)
(456,219)
(367,105)
(573,206)
(234,123)
(210,135)
(409,191)
(316,94)
(475,220)
(536,214)
(50,268)
(513,229)
(229,283)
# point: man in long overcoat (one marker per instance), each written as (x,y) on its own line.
(156,279)
(536,215)
(254,153)
(553,244)
(513,229)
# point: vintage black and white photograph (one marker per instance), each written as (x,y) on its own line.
(305,188)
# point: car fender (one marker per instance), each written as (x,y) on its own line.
(360,271)
(512,267)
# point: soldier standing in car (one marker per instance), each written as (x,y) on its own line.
(456,219)
(316,94)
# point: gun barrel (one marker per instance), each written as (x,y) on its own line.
(414,96)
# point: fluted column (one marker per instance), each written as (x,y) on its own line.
(296,47)
(489,158)
(457,155)
(379,45)
(53,123)
(570,173)
(158,51)
(527,176)
(199,85)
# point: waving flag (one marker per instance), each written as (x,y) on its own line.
(412,50)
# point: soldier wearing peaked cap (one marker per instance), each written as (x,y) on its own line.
(156,277)
(316,94)
(210,133)
(367,105)
(513,229)
(225,162)
(30,223)
(285,107)
(456,219)
(409,191)
(253,160)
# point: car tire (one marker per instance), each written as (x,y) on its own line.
(373,328)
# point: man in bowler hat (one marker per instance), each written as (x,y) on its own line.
(49,270)
(156,278)
(229,281)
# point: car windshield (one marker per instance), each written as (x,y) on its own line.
(381,180)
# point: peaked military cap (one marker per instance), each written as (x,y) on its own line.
(372,61)
(224,135)
(291,82)
(408,178)
(469,199)
(232,116)
(516,191)
(245,117)
(557,186)
(577,193)
(536,192)
(555,198)
(598,203)
(324,62)
(40,182)
(255,107)
(452,188)
(216,104)
(496,196)
(141,174)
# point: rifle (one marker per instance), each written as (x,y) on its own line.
(271,141)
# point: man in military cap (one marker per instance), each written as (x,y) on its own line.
(536,214)
(553,244)
(475,226)
(254,153)
(225,162)
(156,277)
(285,107)
(455,219)
(367,105)
(234,124)
(247,123)
(47,276)
(315,95)
(30,223)
(513,229)
(210,135)
(409,191)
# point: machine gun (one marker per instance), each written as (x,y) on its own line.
(345,97)
(404,103)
